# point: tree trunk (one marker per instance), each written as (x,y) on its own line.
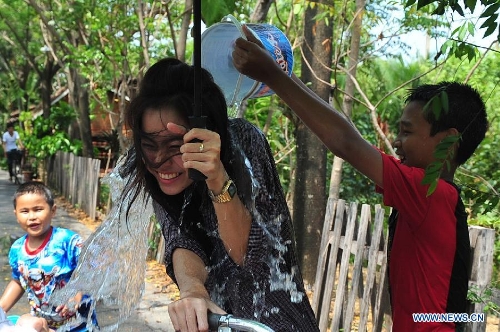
(49,70)
(336,176)
(186,21)
(310,182)
(260,12)
(79,99)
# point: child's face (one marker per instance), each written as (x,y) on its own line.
(34,214)
(161,151)
(414,144)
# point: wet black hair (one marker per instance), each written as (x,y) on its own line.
(466,113)
(169,83)
(34,187)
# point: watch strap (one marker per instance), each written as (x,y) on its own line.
(226,195)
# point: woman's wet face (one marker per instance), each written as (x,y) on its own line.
(161,150)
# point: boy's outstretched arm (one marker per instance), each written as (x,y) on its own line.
(332,128)
(12,293)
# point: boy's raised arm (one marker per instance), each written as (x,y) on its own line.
(332,128)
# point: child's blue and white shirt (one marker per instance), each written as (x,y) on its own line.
(46,269)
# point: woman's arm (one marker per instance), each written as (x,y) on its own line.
(13,292)
(233,217)
(234,221)
(190,312)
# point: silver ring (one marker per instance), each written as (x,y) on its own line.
(201,147)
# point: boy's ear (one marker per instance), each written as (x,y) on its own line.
(452,132)
(54,209)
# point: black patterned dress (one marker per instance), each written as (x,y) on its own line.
(268,287)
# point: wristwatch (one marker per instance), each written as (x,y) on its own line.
(227,194)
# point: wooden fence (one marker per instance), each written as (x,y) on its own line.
(76,178)
(351,290)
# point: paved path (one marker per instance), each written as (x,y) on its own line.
(151,313)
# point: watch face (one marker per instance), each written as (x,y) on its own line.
(232,189)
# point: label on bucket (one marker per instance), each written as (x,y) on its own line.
(216,57)
(278,45)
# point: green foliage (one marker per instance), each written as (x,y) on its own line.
(491,220)
(214,10)
(444,151)
(104,197)
(485,296)
(443,154)
(279,133)
(44,137)
(489,15)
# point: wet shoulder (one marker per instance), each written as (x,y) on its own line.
(245,132)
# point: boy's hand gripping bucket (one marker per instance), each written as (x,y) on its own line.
(216,57)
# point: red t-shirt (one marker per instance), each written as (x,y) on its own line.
(429,256)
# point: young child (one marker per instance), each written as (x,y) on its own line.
(43,260)
(429,242)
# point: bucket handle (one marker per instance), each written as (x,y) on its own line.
(237,24)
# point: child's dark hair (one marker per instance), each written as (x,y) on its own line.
(466,113)
(34,187)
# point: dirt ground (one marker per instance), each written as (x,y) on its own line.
(156,274)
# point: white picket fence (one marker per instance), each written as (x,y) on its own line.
(76,178)
(351,290)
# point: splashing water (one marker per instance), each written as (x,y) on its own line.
(112,264)
(233,109)
(274,243)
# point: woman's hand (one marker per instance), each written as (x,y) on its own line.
(203,156)
(190,312)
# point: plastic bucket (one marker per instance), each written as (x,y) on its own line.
(216,57)
(13,318)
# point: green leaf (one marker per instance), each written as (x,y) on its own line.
(462,32)
(432,187)
(489,30)
(444,101)
(471,4)
(471,27)
(423,3)
(436,106)
(456,7)
(409,3)
(452,139)
(492,9)
(491,21)
(471,53)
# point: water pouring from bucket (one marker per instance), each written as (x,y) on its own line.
(216,49)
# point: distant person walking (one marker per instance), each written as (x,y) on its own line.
(11,145)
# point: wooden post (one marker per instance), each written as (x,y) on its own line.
(482,242)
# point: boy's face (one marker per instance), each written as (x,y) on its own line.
(34,214)
(414,144)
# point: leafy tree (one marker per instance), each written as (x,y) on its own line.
(43,137)
(457,45)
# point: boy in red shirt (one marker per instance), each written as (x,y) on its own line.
(428,240)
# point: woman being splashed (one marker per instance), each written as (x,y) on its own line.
(229,238)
